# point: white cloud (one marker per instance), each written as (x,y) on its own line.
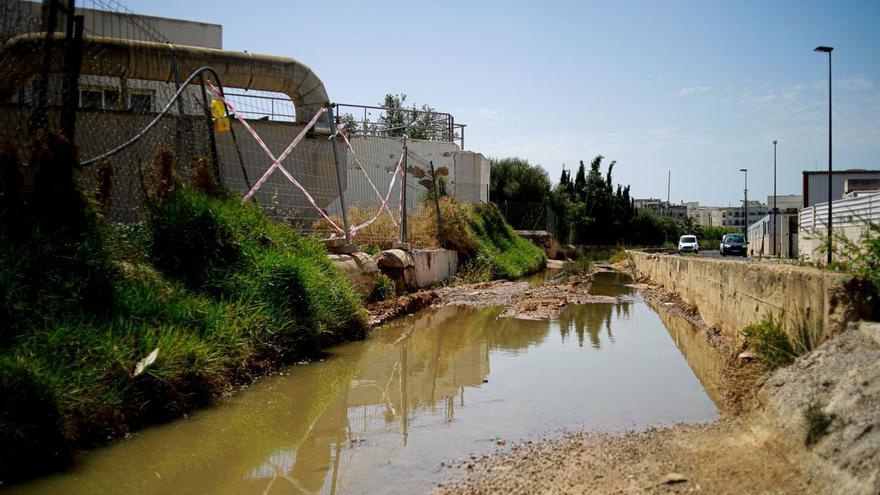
(855,83)
(693,89)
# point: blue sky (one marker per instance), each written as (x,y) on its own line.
(698,88)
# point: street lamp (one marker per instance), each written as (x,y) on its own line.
(827,49)
(745,202)
(774,198)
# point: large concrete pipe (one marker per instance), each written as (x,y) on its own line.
(149,60)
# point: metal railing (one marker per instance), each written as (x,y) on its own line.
(367,119)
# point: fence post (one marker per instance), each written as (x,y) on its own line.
(437,206)
(39,116)
(72,65)
(403,226)
(209,121)
(335,147)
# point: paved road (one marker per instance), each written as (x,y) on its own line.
(714,253)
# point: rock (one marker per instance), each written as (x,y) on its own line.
(673,478)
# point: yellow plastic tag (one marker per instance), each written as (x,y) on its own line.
(221,124)
(218,108)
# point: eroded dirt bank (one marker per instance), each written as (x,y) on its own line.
(757,447)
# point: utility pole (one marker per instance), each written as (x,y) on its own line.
(774,198)
(828,49)
(668,187)
(745,202)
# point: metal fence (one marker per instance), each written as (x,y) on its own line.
(82,85)
(530,216)
(57,77)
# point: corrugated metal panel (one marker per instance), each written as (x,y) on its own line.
(847,213)
(816,184)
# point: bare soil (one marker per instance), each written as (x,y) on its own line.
(718,458)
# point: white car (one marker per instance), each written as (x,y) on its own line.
(688,244)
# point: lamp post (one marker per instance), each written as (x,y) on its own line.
(828,49)
(774,198)
(745,202)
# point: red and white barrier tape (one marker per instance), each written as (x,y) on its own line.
(384,201)
(276,162)
(384,204)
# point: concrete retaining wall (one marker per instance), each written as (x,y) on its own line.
(732,295)
(419,268)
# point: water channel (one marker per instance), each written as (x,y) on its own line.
(381,415)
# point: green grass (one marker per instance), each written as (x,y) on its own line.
(581,267)
(221,291)
(777,348)
(816,422)
(503,254)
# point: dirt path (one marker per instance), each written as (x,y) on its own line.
(718,458)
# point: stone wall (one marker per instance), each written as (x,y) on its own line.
(732,294)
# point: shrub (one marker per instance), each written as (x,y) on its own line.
(775,347)
(861,259)
(580,267)
(383,289)
(770,342)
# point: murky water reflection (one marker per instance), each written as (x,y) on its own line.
(380,416)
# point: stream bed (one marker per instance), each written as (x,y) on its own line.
(383,415)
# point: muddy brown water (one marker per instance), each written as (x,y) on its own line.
(383,415)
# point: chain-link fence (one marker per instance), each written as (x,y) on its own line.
(126,94)
(60,76)
(530,216)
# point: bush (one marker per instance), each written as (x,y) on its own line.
(862,260)
(775,347)
(383,289)
(580,267)
(770,342)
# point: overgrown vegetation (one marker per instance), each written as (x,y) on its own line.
(219,290)
(383,289)
(817,422)
(485,241)
(861,259)
(776,347)
(480,233)
(579,267)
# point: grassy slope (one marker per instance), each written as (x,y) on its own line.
(480,231)
(221,291)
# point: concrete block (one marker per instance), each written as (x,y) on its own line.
(360,268)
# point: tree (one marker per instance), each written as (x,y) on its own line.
(515,180)
(416,122)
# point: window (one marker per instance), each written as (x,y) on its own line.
(140,102)
(109,99)
(89,98)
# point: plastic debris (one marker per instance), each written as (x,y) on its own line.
(141,365)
